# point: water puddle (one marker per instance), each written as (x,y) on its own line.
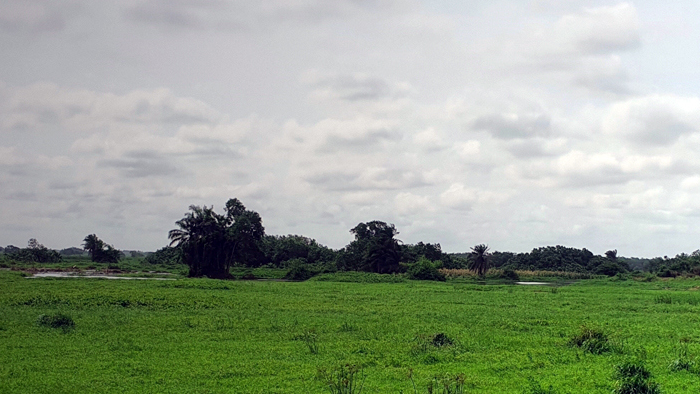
(536,283)
(90,275)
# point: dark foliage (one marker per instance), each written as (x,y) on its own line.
(374,249)
(479,259)
(300,271)
(58,320)
(441,339)
(71,252)
(509,274)
(99,251)
(165,256)
(33,253)
(610,268)
(9,249)
(424,269)
(433,252)
(278,249)
(212,243)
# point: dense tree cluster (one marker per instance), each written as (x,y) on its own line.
(33,253)
(99,251)
(211,243)
(560,258)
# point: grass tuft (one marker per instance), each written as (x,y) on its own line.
(346,379)
(595,341)
(632,377)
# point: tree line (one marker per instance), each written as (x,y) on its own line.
(210,243)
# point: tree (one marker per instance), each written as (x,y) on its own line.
(99,251)
(479,259)
(374,249)
(211,243)
(34,252)
(611,254)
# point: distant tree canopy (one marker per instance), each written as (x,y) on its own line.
(559,258)
(33,253)
(211,243)
(280,249)
(99,251)
(73,251)
(374,249)
(165,256)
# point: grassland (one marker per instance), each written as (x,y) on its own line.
(209,336)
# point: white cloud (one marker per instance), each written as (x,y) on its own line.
(654,119)
(601,29)
(412,204)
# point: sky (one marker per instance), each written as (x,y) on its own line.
(518,124)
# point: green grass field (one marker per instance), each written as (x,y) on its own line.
(210,336)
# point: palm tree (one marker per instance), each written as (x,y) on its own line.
(211,243)
(479,259)
(93,245)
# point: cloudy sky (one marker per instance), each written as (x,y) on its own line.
(513,123)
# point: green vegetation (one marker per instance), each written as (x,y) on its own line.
(99,251)
(203,335)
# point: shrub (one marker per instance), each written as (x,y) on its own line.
(424,269)
(165,256)
(592,340)
(299,272)
(632,377)
(509,274)
(441,339)
(58,320)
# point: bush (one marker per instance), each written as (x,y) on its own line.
(441,339)
(165,256)
(592,340)
(299,272)
(58,320)
(509,274)
(424,269)
(633,378)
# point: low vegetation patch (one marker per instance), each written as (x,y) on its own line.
(535,387)
(632,377)
(594,341)
(345,379)
(58,320)
(424,269)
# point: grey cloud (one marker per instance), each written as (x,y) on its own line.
(181,14)
(139,164)
(516,126)
(17,16)
(529,148)
(367,179)
(364,141)
(21,196)
(333,180)
(243,15)
(354,88)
